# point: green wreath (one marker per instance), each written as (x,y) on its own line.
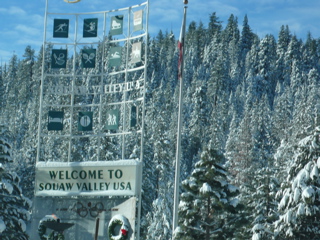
(55,236)
(42,229)
(122,221)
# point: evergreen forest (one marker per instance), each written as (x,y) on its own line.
(250,137)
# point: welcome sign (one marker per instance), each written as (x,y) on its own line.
(100,178)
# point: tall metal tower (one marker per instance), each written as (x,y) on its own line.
(91,112)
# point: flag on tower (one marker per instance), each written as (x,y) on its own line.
(181,45)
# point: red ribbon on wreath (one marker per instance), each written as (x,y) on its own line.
(124,232)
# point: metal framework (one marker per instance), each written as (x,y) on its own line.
(95,89)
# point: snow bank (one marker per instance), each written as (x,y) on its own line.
(223,183)
(257,227)
(89,163)
(22,225)
(318,162)
(283,202)
(232,188)
(183,205)
(176,232)
(6,185)
(308,195)
(2,226)
(205,188)
(314,173)
(256,236)
(234,202)
(297,194)
(301,210)
(288,217)
(301,180)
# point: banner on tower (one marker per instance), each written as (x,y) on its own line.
(88,58)
(55,121)
(59,58)
(136,52)
(60,28)
(138,20)
(116,25)
(85,120)
(90,27)
(112,119)
(115,55)
(133,116)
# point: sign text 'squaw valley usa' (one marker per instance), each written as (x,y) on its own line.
(107,178)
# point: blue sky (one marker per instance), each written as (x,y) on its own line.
(22,21)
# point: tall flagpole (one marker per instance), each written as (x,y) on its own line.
(181,47)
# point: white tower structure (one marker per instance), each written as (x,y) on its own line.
(91,119)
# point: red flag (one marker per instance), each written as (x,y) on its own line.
(181,45)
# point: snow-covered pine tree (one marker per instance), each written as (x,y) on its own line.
(208,205)
(10,99)
(282,112)
(199,119)
(240,158)
(246,39)
(299,206)
(214,26)
(161,215)
(309,55)
(13,205)
(265,205)
(313,97)
(27,152)
(231,37)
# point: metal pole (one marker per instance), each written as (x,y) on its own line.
(178,150)
(142,127)
(42,81)
(72,87)
(97,229)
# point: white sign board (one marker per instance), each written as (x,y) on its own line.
(100,178)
